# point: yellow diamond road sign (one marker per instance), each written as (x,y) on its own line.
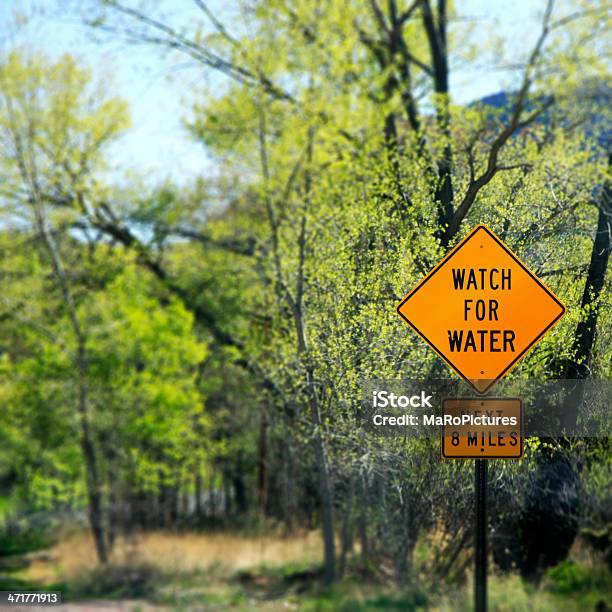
(481,309)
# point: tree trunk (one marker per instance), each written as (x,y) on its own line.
(436,38)
(584,337)
(548,524)
(239,486)
(198,494)
(262,464)
(93,481)
(362,523)
(185,511)
(94,492)
(346,531)
(325,494)
(212,501)
(290,507)
(227,493)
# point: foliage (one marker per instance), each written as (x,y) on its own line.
(175,353)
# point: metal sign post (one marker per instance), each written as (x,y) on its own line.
(480,558)
(482,310)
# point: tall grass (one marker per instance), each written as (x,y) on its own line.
(172,553)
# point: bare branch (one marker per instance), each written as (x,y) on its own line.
(234,245)
(175,40)
(575,16)
(405,16)
(409,57)
(216,23)
(15,312)
(579,269)
(515,123)
(521,166)
(374,46)
(379,17)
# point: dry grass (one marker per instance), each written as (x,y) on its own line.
(74,555)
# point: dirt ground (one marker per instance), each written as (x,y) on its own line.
(90,606)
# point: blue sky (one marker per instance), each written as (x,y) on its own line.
(159,92)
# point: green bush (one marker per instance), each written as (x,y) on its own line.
(117,581)
(410,599)
(22,543)
(570,577)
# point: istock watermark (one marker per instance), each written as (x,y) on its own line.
(554,408)
(382,399)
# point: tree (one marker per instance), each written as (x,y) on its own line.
(50,146)
(98,339)
(344,218)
